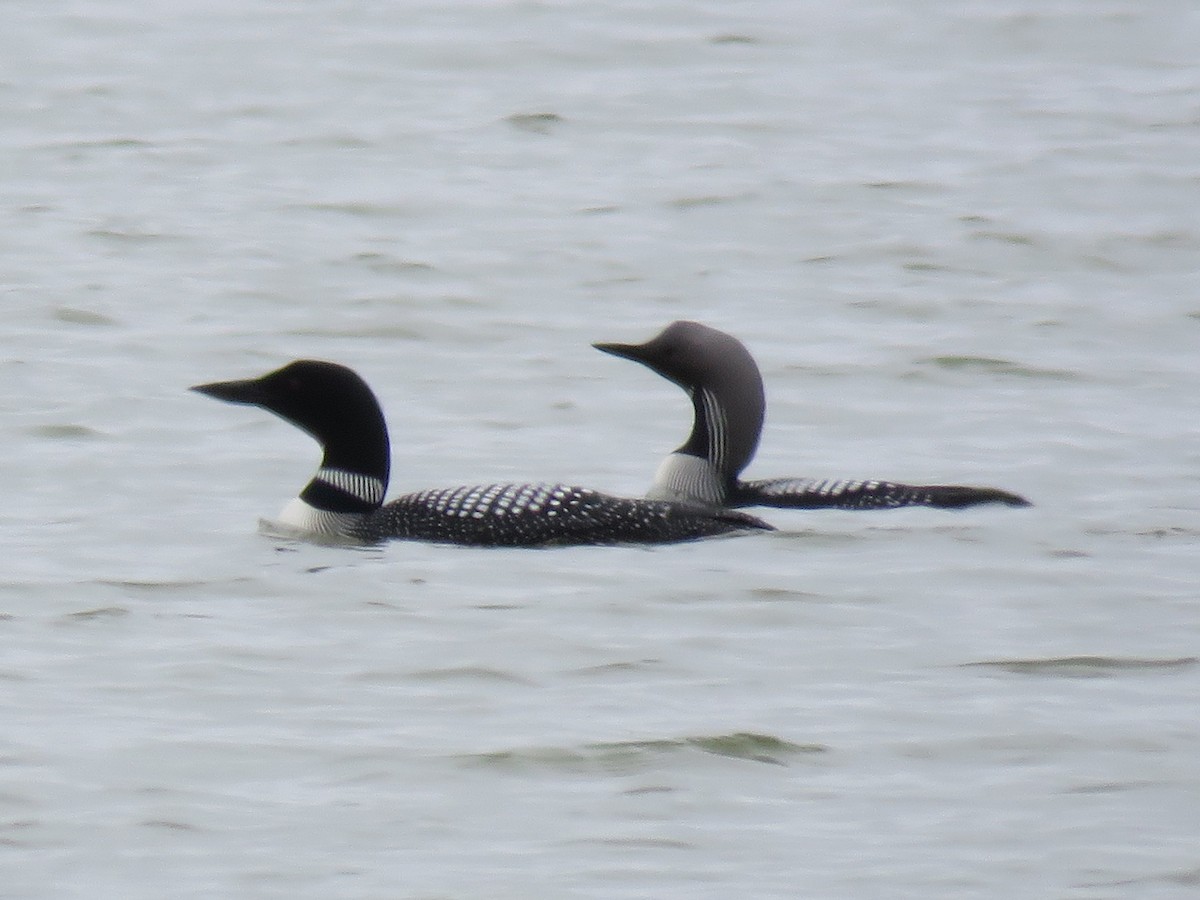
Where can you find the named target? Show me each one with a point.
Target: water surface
(960, 239)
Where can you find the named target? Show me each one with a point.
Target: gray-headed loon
(726, 388)
(344, 499)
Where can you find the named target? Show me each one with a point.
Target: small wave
(997, 367)
(784, 595)
(635, 665)
(757, 747)
(1169, 531)
(1086, 666)
(638, 843)
(632, 755)
(374, 332)
(340, 141)
(468, 673)
(705, 200)
(390, 265)
(74, 316)
(1157, 533)
(91, 615)
(116, 143)
(365, 210)
(64, 432)
(733, 38)
(11, 833)
(1107, 787)
(910, 184)
(168, 825)
(604, 210)
(538, 123)
(1005, 237)
(132, 235)
(166, 585)
(1183, 878)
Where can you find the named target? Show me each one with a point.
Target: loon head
(726, 389)
(336, 407)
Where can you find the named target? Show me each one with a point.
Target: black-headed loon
(344, 499)
(726, 388)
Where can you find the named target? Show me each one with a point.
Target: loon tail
(815, 493)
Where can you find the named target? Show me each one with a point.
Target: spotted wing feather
(533, 515)
(815, 493)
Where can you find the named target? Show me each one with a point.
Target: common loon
(344, 499)
(726, 388)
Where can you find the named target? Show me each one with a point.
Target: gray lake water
(962, 240)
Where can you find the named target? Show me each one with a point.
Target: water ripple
(99, 614)
(74, 316)
(1183, 878)
(537, 123)
(997, 366)
(632, 755)
(64, 432)
(1085, 666)
(468, 673)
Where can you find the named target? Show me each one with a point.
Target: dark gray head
(328, 401)
(723, 381)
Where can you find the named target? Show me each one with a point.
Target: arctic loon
(344, 499)
(726, 388)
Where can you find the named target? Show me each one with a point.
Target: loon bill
(725, 385)
(344, 499)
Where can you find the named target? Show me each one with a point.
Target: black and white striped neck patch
(366, 488)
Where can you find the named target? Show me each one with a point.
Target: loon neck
(353, 476)
(356, 456)
(724, 434)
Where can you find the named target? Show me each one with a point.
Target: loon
(726, 388)
(344, 499)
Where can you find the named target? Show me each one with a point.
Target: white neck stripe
(718, 429)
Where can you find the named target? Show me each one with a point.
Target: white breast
(299, 519)
(683, 478)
